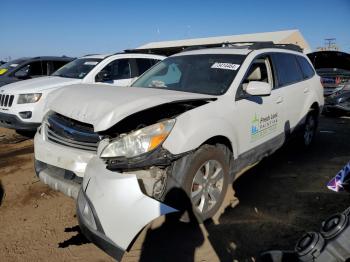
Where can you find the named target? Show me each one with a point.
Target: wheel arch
(220, 139)
(315, 106)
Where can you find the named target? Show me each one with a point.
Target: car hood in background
(103, 105)
(4, 80)
(38, 84)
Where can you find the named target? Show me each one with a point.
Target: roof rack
(255, 45)
(89, 55)
(252, 45)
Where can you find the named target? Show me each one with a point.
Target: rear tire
(309, 129)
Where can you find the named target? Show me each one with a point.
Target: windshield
(210, 74)
(78, 68)
(10, 66)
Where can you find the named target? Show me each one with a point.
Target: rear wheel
(309, 129)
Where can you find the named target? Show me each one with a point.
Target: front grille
(71, 133)
(6, 100)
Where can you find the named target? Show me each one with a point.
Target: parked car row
(27, 68)
(186, 127)
(22, 103)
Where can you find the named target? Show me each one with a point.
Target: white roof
(278, 37)
(97, 56)
(125, 55)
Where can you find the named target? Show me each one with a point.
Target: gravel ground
(280, 198)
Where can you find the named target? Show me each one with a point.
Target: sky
(77, 27)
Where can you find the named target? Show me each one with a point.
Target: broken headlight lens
(28, 98)
(139, 142)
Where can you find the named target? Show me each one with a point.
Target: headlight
(139, 142)
(29, 98)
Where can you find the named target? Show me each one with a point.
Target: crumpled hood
(39, 84)
(104, 105)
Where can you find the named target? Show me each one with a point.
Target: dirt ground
(280, 198)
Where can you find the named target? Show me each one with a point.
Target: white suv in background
(23, 110)
(185, 128)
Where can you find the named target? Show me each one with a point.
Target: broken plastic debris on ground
(341, 181)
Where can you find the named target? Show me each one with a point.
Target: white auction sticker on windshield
(225, 66)
(14, 65)
(90, 63)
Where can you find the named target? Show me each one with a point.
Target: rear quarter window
(306, 68)
(287, 68)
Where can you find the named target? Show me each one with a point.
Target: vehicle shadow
(174, 240)
(281, 198)
(76, 240)
(2, 193)
(284, 196)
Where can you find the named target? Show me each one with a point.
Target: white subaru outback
(191, 123)
(23, 107)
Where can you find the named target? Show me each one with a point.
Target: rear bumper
(14, 122)
(96, 235)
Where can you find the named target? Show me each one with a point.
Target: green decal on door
(262, 126)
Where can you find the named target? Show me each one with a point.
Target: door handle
(279, 100)
(306, 90)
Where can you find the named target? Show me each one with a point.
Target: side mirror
(22, 74)
(103, 76)
(257, 88)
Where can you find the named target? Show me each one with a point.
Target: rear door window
(57, 65)
(118, 69)
(35, 69)
(287, 68)
(143, 64)
(305, 66)
(32, 69)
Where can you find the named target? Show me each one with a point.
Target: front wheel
(204, 176)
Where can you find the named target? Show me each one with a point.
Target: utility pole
(330, 44)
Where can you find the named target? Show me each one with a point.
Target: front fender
(189, 133)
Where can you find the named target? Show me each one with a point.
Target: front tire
(204, 176)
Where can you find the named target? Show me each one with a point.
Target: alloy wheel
(309, 131)
(207, 186)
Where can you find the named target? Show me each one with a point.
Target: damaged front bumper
(60, 167)
(112, 209)
(92, 229)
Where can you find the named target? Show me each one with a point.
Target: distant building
(278, 37)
